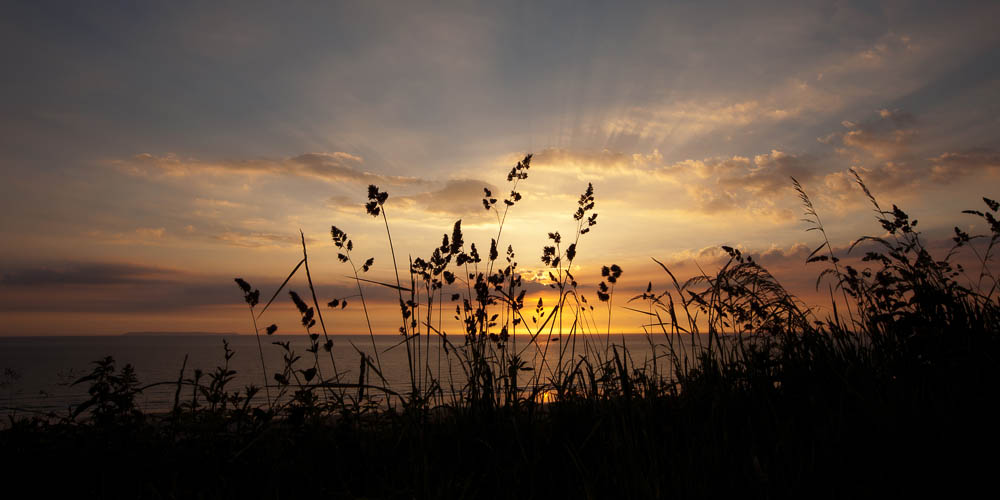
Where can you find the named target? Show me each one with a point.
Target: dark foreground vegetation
(889, 393)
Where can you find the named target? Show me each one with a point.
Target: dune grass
(888, 393)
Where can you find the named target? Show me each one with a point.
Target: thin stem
(364, 306)
(260, 349)
(402, 305)
(319, 310)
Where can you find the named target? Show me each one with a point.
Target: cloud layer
(328, 167)
(200, 138)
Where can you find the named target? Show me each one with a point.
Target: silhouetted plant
(345, 246)
(758, 384)
(252, 299)
(112, 394)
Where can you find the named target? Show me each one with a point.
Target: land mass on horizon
(174, 333)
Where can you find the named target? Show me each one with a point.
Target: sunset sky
(151, 153)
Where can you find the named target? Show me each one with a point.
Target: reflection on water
(38, 371)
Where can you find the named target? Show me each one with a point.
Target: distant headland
(176, 334)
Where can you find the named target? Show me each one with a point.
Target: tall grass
(761, 394)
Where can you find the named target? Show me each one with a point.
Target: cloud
(885, 151)
(597, 165)
(686, 119)
(767, 174)
(713, 185)
(787, 263)
(453, 198)
(257, 239)
(145, 236)
(796, 96)
(799, 92)
(891, 48)
(458, 197)
(889, 136)
(205, 231)
(881, 150)
(328, 167)
(713, 257)
(218, 203)
(150, 233)
(118, 287)
(739, 183)
(706, 115)
(842, 191)
(947, 167)
(85, 273)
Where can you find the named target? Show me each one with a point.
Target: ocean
(38, 372)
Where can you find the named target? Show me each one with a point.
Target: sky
(152, 152)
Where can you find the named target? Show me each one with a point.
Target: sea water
(38, 372)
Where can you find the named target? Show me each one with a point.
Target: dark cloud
(885, 151)
(126, 288)
(460, 197)
(889, 135)
(97, 273)
(949, 167)
(341, 167)
(329, 167)
(881, 149)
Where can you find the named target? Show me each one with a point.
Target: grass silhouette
(887, 394)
